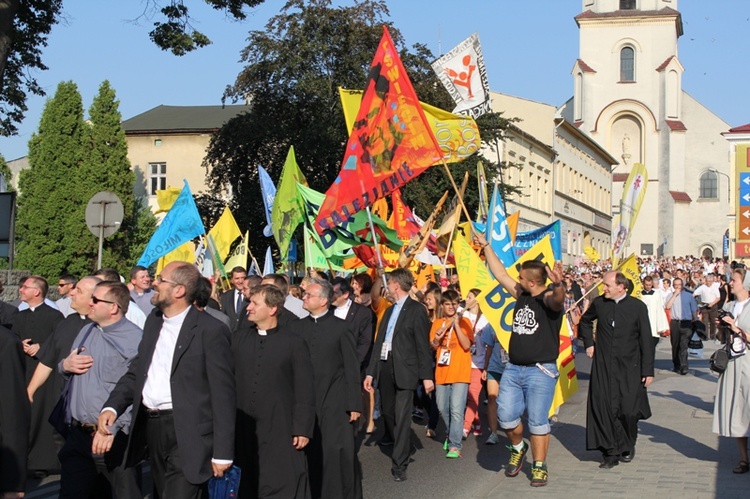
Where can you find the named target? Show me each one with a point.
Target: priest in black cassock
(622, 369)
(14, 415)
(33, 327)
(275, 402)
(331, 455)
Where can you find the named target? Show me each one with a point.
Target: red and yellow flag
(391, 142)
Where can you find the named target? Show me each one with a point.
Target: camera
(724, 313)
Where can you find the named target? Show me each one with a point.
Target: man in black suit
(360, 318)
(233, 301)
(400, 358)
(181, 386)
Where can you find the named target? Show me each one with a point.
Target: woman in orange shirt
(451, 337)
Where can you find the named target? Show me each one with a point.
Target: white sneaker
(493, 439)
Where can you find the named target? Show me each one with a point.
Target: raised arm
(496, 266)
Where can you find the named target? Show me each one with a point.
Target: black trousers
(81, 468)
(166, 462)
(679, 334)
(396, 406)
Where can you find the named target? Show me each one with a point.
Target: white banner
(463, 74)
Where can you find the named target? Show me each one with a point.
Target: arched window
(627, 64)
(709, 185)
(627, 4)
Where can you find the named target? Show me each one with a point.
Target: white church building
(628, 97)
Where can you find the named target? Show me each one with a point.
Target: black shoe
(399, 476)
(385, 441)
(609, 462)
(683, 371)
(627, 456)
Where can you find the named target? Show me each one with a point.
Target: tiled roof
(619, 177)
(182, 118)
(740, 129)
(585, 67)
(665, 63)
(676, 125)
(680, 197)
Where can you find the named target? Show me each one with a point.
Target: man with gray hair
(102, 352)
(332, 457)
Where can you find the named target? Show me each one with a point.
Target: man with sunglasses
(64, 286)
(102, 353)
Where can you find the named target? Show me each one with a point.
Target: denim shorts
(526, 388)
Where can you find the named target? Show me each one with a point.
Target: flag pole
(250, 252)
(375, 241)
(458, 195)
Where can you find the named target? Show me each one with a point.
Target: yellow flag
(166, 198)
(629, 267)
(591, 252)
(238, 256)
(183, 253)
(632, 197)
(498, 305)
(456, 134)
(224, 232)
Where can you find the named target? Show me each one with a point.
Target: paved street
(677, 454)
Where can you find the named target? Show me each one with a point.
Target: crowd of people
(280, 379)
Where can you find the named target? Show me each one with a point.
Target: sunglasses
(99, 300)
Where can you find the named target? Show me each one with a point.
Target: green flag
(316, 259)
(287, 207)
(353, 232)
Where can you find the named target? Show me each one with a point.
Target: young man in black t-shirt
(528, 382)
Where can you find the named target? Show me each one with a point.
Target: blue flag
(497, 232)
(182, 224)
(268, 264)
(268, 192)
(525, 240)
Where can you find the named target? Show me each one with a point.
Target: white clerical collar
(262, 332)
(618, 300)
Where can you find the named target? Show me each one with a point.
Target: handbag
(225, 487)
(719, 361)
(60, 417)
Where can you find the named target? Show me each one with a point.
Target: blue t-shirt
(498, 357)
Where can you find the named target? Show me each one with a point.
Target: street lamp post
(729, 187)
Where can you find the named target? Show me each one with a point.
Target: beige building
(167, 144)
(628, 97)
(561, 172)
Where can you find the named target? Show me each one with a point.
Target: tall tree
(106, 167)
(48, 188)
(70, 162)
(25, 25)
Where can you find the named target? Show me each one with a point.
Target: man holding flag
(530, 376)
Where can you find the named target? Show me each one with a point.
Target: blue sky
(529, 48)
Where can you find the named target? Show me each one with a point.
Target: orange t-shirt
(383, 305)
(459, 369)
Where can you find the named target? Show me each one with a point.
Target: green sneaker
(453, 453)
(516, 460)
(445, 445)
(538, 475)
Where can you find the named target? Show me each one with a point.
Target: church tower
(628, 96)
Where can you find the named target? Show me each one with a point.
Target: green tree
(26, 24)
(6, 173)
(70, 162)
(48, 188)
(292, 73)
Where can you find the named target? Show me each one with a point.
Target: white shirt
(157, 391)
(135, 314)
(707, 294)
(341, 311)
(294, 305)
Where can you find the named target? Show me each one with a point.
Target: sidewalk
(677, 453)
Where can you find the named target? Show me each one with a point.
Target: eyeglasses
(160, 279)
(97, 300)
(308, 295)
